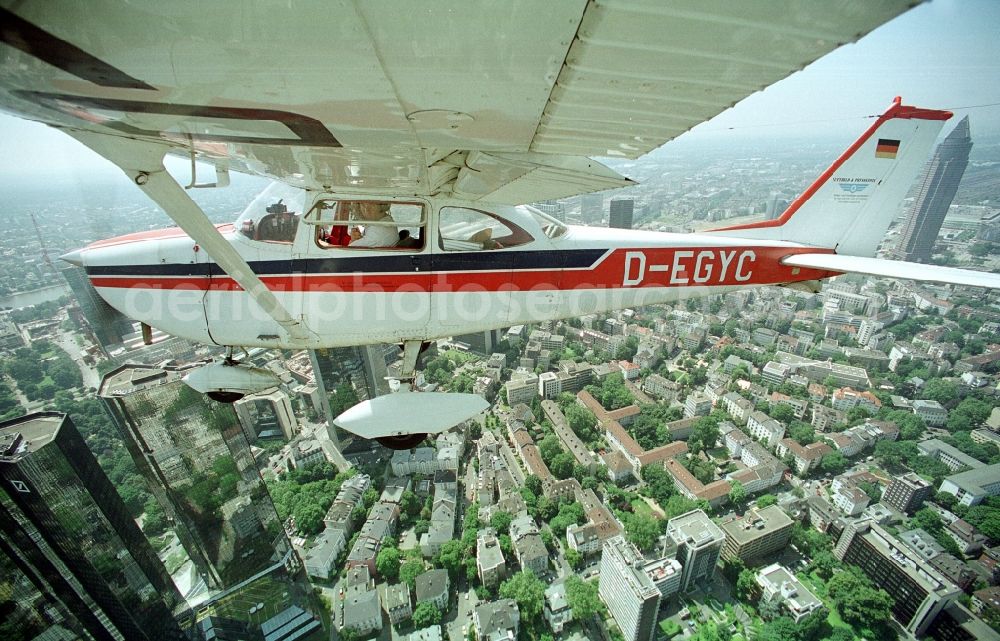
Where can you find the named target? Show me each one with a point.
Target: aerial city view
(806, 449)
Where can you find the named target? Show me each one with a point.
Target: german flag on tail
(887, 148)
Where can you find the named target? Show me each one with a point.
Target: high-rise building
(592, 208)
(360, 372)
(756, 534)
(628, 591)
(108, 325)
(907, 493)
(267, 415)
(196, 459)
(937, 187)
(482, 342)
(65, 527)
(699, 543)
(919, 592)
(620, 216)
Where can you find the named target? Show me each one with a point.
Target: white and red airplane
(422, 132)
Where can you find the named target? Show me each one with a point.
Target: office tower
(108, 325)
(482, 342)
(907, 493)
(918, 590)
(360, 373)
(66, 528)
(631, 596)
(756, 534)
(699, 543)
(936, 190)
(196, 460)
(267, 415)
(620, 216)
(592, 208)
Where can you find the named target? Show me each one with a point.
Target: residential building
(779, 585)
(846, 399)
(907, 493)
(362, 612)
(557, 611)
(738, 407)
(762, 426)
(850, 499)
(699, 543)
(549, 385)
(660, 387)
(954, 458)
(432, 586)
(498, 620)
(697, 404)
(319, 559)
(824, 418)
(756, 534)
(666, 574)
(972, 486)
(528, 545)
(932, 412)
(489, 557)
(396, 602)
(966, 536)
(68, 531)
(775, 373)
(581, 453)
(805, 457)
(919, 592)
(522, 388)
(632, 598)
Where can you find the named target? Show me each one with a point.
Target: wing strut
(143, 163)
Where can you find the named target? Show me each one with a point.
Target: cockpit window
(368, 224)
(273, 216)
(552, 227)
(464, 229)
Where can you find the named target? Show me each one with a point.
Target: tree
(451, 556)
(766, 500)
(643, 531)
(527, 591)
(873, 491)
(824, 564)
(562, 465)
(549, 448)
(858, 602)
(833, 463)
(387, 563)
(574, 558)
(746, 585)
(500, 521)
(534, 484)
(704, 434)
(737, 493)
(783, 413)
(779, 629)
(986, 519)
(425, 615)
(940, 390)
(582, 598)
(409, 571)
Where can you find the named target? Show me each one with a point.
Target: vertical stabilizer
(850, 206)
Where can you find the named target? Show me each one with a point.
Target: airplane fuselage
(349, 296)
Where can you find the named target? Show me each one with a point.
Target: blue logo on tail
(853, 188)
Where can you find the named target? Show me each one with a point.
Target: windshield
(273, 216)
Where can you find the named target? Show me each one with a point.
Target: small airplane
(405, 144)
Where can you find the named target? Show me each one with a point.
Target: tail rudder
(850, 206)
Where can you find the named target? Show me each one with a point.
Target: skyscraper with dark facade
(937, 188)
(65, 527)
(108, 325)
(592, 208)
(197, 462)
(620, 216)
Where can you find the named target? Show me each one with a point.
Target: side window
(368, 224)
(464, 229)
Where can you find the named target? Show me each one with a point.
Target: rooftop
(35, 430)
(694, 528)
(756, 523)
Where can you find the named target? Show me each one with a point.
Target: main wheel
(224, 397)
(402, 442)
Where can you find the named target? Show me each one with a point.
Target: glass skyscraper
(196, 459)
(64, 526)
(937, 188)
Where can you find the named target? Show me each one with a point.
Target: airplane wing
(498, 101)
(894, 269)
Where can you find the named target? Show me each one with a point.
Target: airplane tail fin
(850, 206)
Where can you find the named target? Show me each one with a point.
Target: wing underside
(387, 97)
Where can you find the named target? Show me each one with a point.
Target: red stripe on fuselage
(661, 267)
(154, 234)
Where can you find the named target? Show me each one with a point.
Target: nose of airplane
(74, 257)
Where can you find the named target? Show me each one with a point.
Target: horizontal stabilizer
(410, 413)
(894, 269)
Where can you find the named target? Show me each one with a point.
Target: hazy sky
(942, 54)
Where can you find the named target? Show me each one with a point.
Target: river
(34, 297)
